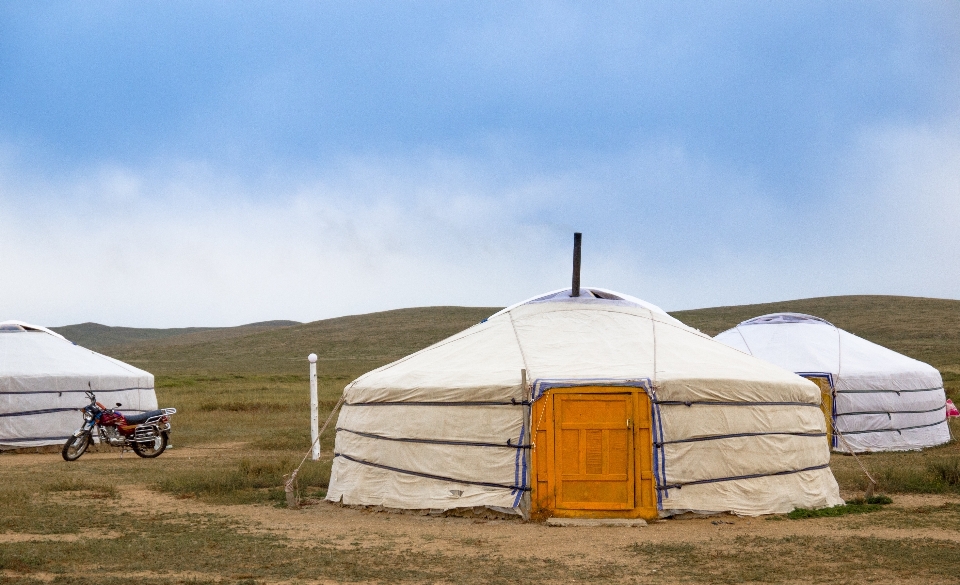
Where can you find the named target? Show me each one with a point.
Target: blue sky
(215, 163)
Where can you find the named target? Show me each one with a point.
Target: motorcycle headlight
(87, 415)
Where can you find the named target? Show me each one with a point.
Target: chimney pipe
(575, 292)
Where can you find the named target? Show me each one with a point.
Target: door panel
(594, 451)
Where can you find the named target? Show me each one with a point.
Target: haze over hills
(96, 336)
(926, 329)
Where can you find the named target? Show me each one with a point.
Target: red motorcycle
(147, 434)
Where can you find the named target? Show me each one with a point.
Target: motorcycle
(147, 434)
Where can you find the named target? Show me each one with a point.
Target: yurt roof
(811, 345)
(35, 359)
(604, 338)
(13, 325)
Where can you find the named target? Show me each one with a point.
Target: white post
(314, 408)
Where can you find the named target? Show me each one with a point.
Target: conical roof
(808, 344)
(612, 338)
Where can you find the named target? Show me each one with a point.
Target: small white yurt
(878, 399)
(43, 378)
(597, 405)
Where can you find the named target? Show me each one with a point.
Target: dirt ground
(353, 529)
(323, 520)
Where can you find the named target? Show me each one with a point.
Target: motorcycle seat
(135, 419)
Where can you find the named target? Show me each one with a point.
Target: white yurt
(43, 378)
(597, 405)
(878, 399)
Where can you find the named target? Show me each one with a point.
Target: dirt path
(350, 528)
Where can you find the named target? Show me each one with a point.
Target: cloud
(188, 244)
(897, 209)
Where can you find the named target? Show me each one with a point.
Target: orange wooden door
(594, 460)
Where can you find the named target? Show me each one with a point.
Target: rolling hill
(926, 329)
(355, 343)
(96, 336)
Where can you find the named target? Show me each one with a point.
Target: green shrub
(75, 484)
(947, 471)
(856, 506)
(251, 481)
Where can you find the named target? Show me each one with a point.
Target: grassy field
(211, 509)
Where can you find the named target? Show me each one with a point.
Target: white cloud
(186, 245)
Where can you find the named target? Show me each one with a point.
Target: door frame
(543, 484)
(817, 378)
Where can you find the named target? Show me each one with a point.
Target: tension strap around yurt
(899, 430)
(738, 477)
(432, 476)
(715, 403)
(737, 435)
(507, 444)
(511, 402)
(881, 391)
(890, 413)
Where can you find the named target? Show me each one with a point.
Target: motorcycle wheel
(151, 450)
(75, 447)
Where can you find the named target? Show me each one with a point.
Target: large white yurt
(878, 399)
(43, 378)
(597, 405)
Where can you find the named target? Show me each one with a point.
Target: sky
(168, 164)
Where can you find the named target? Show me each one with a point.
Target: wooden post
(290, 487)
(314, 409)
(575, 292)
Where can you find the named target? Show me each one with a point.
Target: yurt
(43, 378)
(878, 399)
(582, 404)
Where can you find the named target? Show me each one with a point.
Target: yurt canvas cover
(43, 378)
(450, 426)
(883, 400)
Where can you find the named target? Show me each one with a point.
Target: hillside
(96, 336)
(926, 329)
(353, 344)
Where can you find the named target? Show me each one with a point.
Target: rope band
(942, 422)
(75, 391)
(506, 445)
(431, 476)
(752, 476)
(887, 391)
(512, 402)
(736, 435)
(889, 412)
(710, 403)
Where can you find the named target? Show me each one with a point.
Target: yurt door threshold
(593, 454)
